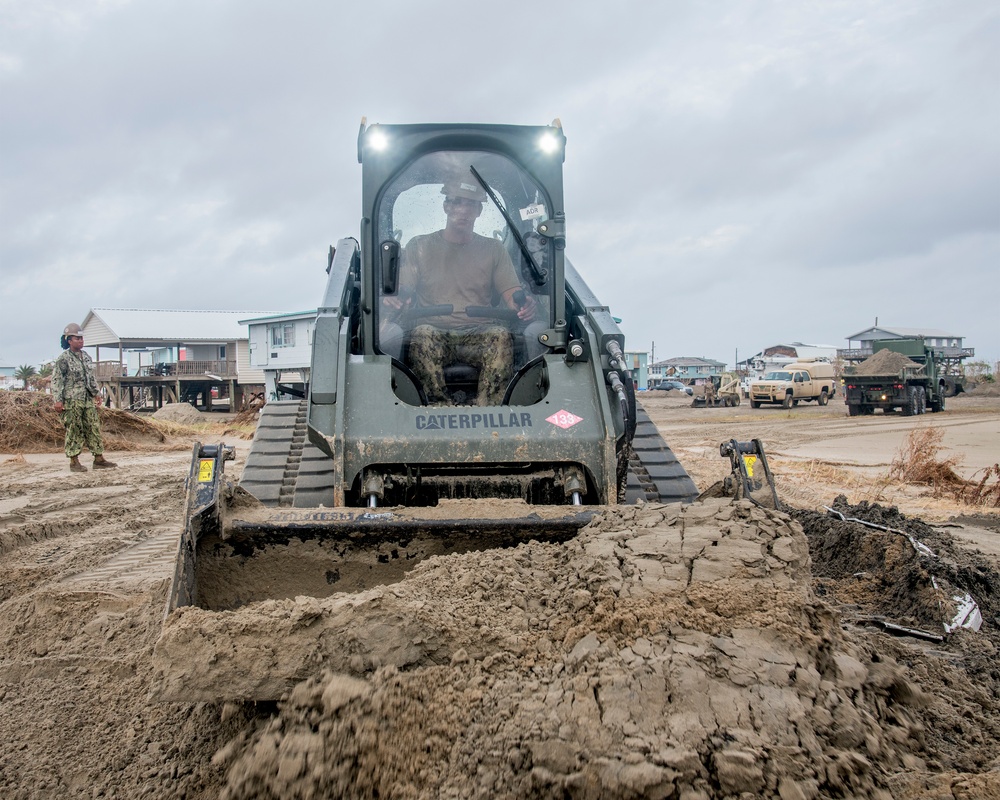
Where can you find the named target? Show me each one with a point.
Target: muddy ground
(716, 650)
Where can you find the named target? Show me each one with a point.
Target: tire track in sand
(143, 564)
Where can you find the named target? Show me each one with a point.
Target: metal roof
(689, 361)
(161, 325)
(288, 316)
(905, 333)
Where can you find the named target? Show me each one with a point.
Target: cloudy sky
(738, 174)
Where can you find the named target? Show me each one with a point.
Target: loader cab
(422, 280)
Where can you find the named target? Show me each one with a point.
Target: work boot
(100, 462)
(75, 465)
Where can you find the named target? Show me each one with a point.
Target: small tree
(41, 380)
(24, 373)
(978, 371)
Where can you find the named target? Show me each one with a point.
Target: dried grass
(814, 471)
(30, 424)
(918, 462)
(244, 424)
(984, 493)
(245, 432)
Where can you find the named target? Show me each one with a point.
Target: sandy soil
(819, 452)
(716, 650)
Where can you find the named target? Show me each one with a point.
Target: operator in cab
(456, 266)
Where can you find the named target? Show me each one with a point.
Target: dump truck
(717, 392)
(795, 383)
(901, 375)
(371, 472)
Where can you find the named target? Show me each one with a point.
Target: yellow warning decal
(748, 462)
(206, 470)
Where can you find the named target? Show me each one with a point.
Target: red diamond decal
(564, 419)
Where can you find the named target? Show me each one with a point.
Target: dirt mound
(184, 413)
(885, 362)
(985, 390)
(665, 652)
(914, 576)
(908, 574)
(30, 424)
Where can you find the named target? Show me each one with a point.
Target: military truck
(901, 375)
(792, 384)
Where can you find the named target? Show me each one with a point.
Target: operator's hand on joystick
(524, 304)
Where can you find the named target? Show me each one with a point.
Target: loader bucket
(235, 551)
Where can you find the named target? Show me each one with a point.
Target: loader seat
(462, 381)
(461, 375)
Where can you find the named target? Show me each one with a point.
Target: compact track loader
(354, 484)
(720, 391)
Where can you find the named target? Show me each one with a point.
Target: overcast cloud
(738, 174)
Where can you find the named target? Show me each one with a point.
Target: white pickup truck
(813, 380)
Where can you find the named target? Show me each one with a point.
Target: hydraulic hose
(626, 397)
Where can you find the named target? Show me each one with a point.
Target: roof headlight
(549, 143)
(377, 140)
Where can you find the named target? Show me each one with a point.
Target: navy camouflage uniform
(489, 349)
(74, 384)
(437, 271)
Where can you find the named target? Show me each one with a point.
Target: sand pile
(665, 652)
(985, 390)
(183, 413)
(885, 362)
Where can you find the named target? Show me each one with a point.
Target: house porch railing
(185, 369)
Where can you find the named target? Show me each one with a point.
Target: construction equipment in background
(720, 391)
(751, 476)
(358, 482)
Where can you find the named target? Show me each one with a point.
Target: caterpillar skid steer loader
(445, 411)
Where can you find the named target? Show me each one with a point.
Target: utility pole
(652, 353)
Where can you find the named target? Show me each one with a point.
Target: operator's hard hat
(72, 330)
(466, 188)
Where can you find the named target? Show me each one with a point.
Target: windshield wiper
(537, 272)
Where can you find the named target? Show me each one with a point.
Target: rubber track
(655, 475)
(283, 469)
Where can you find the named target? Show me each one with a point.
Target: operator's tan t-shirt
(439, 272)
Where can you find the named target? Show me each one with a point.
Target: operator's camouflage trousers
(489, 349)
(82, 427)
